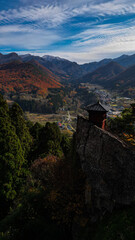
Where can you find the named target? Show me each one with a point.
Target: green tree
(35, 131)
(123, 123)
(22, 131)
(66, 144)
(11, 160)
(50, 140)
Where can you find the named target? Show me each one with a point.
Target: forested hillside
(103, 74)
(43, 187)
(18, 77)
(40, 191)
(123, 82)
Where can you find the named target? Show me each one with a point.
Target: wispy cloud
(51, 15)
(102, 33)
(79, 31)
(26, 37)
(57, 14)
(104, 40)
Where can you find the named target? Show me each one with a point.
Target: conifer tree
(11, 160)
(50, 139)
(22, 131)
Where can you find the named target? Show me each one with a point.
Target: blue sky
(79, 30)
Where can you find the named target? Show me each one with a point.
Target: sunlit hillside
(18, 77)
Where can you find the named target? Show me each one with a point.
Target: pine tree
(22, 131)
(11, 160)
(50, 140)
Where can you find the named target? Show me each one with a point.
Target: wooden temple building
(97, 114)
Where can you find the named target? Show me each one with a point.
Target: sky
(78, 30)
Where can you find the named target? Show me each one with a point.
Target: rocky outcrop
(109, 166)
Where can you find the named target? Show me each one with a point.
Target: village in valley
(115, 102)
(75, 102)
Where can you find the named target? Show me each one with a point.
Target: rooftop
(97, 107)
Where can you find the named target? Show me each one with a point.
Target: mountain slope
(9, 58)
(125, 60)
(63, 68)
(123, 82)
(26, 77)
(92, 66)
(103, 74)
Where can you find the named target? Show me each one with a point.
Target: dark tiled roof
(97, 107)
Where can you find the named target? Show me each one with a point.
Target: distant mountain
(52, 58)
(25, 56)
(103, 74)
(19, 77)
(67, 70)
(71, 70)
(90, 67)
(63, 68)
(8, 58)
(123, 82)
(125, 60)
(45, 63)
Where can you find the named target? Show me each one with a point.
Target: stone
(109, 166)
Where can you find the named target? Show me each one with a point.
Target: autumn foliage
(18, 77)
(63, 186)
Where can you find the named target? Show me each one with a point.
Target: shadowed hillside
(9, 58)
(124, 82)
(103, 74)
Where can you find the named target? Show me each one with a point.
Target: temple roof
(98, 107)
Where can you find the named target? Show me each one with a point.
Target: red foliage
(26, 78)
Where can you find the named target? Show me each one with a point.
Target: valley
(55, 180)
(67, 120)
(52, 89)
(74, 104)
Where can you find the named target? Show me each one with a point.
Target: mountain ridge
(102, 74)
(65, 71)
(124, 81)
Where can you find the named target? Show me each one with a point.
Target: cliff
(109, 166)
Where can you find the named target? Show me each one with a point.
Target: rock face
(109, 166)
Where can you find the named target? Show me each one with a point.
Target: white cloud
(17, 28)
(108, 41)
(51, 15)
(28, 39)
(102, 33)
(55, 15)
(44, 26)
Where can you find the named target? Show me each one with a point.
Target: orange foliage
(26, 78)
(129, 138)
(73, 93)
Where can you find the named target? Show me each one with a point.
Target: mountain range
(63, 68)
(67, 69)
(49, 71)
